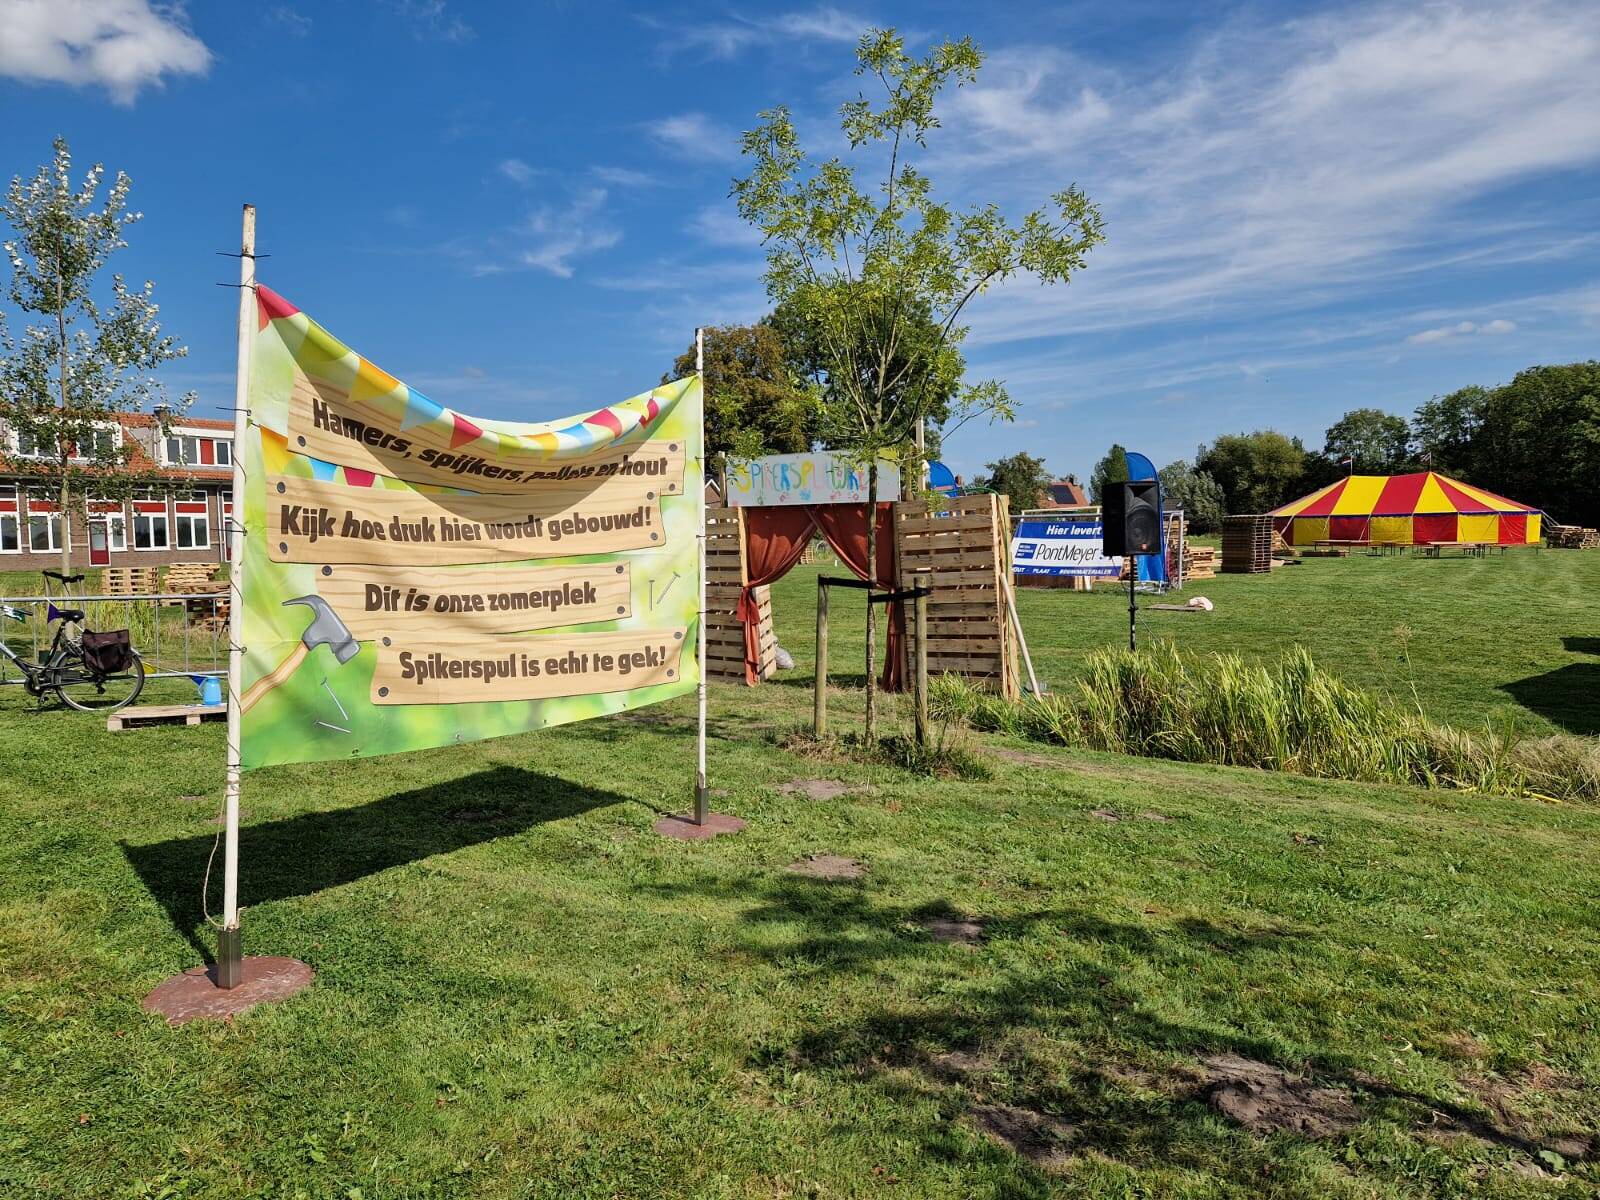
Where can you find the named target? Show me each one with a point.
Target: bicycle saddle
(56, 575)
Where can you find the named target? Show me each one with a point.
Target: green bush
(1287, 716)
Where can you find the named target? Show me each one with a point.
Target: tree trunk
(66, 527)
(872, 620)
(63, 522)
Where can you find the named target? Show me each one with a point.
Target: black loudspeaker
(1131, 516)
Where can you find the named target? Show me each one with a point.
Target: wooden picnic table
(1468, 549)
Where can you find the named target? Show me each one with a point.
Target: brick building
(181, 518)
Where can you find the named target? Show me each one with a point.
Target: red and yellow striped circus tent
(1407, 509)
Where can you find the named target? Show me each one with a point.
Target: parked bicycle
(89, 671)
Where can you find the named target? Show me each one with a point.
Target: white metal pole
(700, 795)
(228, 958)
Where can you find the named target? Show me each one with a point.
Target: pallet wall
(726, 574)
(1247, 545)
(961, 548)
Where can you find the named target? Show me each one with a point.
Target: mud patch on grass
(1038, 1137)
(958, 931)
(1266, 1099)
(828, 866)
(960, 1064)
(1109, 815)
(818, 789)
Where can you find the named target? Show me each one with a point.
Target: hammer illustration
(326, 629)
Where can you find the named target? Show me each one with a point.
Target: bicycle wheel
(86, 692)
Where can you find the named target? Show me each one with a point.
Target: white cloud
(517, 171)
(291, 21)
(721, 225)
(695, 135)
(1444, 333)
(731, 36)
(623, 177)
(432, 21)
(120, 45)
(1294, 165)
(553, 236)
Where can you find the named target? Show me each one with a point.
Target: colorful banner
(414, 577)
(1070, 546)
(818, 477)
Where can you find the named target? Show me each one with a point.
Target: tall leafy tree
(864, 263)
(1256, 471)
(1540, 441)
(92, 351)
(1196, 493)
(1021, 477)
(1113, 468)
(1445, 431)
(1379, 443)
(756, 401)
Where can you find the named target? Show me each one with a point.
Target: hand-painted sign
(415, 577)
(815, 478)
(1070, 546)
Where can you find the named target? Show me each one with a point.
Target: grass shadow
(1569, 696)
(303, 855)
(980, 1038)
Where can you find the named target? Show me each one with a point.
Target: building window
(116, 531)
(100, 446)
(150, 531)
(10, 522)
(44, 533)
(192, 532)
(224, 453)
(30, 446)
(183, 451)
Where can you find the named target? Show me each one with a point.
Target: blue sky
(522, 208)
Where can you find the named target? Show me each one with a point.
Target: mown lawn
(522, 992)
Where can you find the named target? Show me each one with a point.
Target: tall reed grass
(1286, 716)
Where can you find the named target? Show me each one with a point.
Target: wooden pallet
(164, 714)
(726, 575)
(190, 577)
(960, 547)
(128, 581)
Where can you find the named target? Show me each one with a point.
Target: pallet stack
(187, 578)
(1247, 544)
(1572, 537)
(1199, 562)
(128, 581)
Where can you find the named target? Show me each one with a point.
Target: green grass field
(522, 992)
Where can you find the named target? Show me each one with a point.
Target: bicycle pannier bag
(108, 652)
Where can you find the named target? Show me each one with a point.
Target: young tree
(1196, 493)
(66, 379)
(1113, 468)
(1256, 471)
(1019, 476)
(756, 402)
(925, 373)
(863, 264)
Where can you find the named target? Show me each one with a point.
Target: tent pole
(230, 951)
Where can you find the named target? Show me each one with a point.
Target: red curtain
(774, 540)
(845, 527)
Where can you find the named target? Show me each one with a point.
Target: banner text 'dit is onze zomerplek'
(416, 577)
